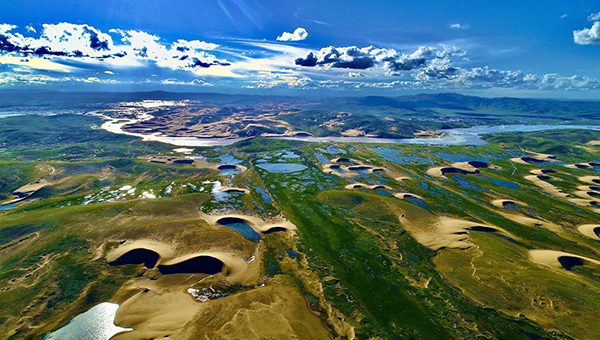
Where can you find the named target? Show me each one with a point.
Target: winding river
(461, 136)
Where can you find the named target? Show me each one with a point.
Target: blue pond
(95, 324)
(8, 206)
(282, 167)
(264, 194)
(243, 229)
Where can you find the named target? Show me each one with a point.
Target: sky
(306, 48)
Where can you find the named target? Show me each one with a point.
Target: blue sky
(500, 48)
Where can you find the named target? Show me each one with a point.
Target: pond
(95, 324)
(243, 229)
(282, 167)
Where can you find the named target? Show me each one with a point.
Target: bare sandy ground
(403, 178)
(356, 133)
(235, 267)
(351, 167)
(533, 157)
(366, 186)
(405, 195)
(445, 232)
(27, 190)
(235, 189)
(540, 181)
(585, 165)
(193, 162)
(589, 230)
(255, 223)
(531, 222)
(551, 258)
(164, 250)
(501, 203)
(471, 167)
(593, 142)
(590, 179)
(275, 311)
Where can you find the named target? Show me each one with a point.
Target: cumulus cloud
(84, 42)
(458, 26)
(588, 36)
(594, 17)
(392, 61)
(299, 34)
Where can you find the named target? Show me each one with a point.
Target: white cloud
(564, 16)
(459, 26)
(370, 57)
(87, 44)
(4, 28)
(594, 17)
(588, 36)
(299, 34)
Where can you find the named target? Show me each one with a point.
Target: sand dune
(446, 232)
(581, 165)
(405, 195)
(470, 167)
(234, 267)
(402, 178)
(590, 230)
(194, 162)
(255, 223)
(339, 168)
(235, 189)
(164, 250)
(590, 179)
(501, 203)
(531, 222)
(542, 171)
(540, 181)
(366, 186)
(561, 260)
(534, 157)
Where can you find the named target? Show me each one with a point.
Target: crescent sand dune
(590, 179)
(255, 223)
(590, 230)
(193, 162)
(502, 203)
(366, 186)
(542, 171)
(405, 195)
(163, 250)
(470, 167)
(439, 232)
(540, 181)
(534, 157)
(561, 260)
(585, 165)
(531, 222)
(235, 189)
(234, 267)
(402, 178)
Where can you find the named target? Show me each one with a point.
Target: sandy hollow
(561, 260)
(502, 203)
(590, 230)
(470, 167)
